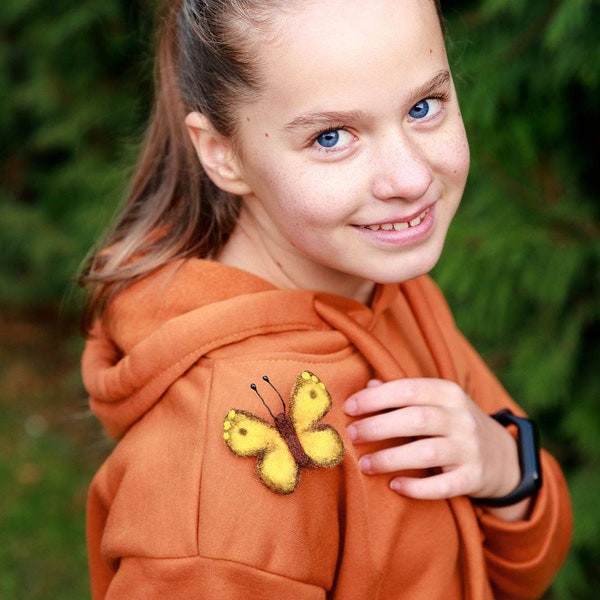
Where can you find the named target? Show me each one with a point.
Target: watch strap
(529, 460)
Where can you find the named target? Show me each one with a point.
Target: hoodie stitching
(238, 336)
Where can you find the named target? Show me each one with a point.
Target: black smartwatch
(529, 460)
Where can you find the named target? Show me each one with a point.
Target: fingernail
(352, 433)
(374, 383)
(365, 464)
(350, 406)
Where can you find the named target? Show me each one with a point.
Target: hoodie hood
(159, 327)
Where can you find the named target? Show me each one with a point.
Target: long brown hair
(205, 62)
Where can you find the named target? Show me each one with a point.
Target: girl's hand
(469, 452)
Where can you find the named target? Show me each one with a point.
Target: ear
(216, 155)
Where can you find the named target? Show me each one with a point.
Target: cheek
(307, 199)
(458, 155)
(462, 159)
(449, 157)
(297, 198)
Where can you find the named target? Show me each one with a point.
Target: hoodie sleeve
(169, 518)
(524, 556)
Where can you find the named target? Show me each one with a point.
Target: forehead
(333, 47)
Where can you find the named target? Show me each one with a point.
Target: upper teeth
(398, 226)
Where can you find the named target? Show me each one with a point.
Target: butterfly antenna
(265, 378)
(255, 390)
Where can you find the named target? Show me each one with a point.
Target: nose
(401, 169)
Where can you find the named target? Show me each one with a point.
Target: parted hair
(206, 54)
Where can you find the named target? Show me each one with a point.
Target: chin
(408, 269)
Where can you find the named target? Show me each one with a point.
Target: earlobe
(216, 155)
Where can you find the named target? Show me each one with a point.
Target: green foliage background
(521, 267)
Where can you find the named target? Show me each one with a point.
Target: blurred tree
(76, 79)
(522, 262)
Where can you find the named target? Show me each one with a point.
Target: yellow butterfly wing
(310, 402)
(248, 435)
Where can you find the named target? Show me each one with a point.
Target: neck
(254, 251)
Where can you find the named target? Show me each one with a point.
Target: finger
(426, 453)
(435, 487)
(374, 383)
(412, 421)
(404, 392)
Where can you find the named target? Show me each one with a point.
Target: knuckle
(468, 425)
(431, 454)
(458, 390)
(409, 387)
(364, 430)
(385, 461)
(471, 426)
(445, 488)
(420, 419)
(468, 480)
(389, 460)
(461, 483)
(373, 429)
(459, 398)
(463, 478)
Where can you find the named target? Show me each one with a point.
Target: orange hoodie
(192, 502)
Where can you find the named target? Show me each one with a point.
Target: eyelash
(442, 97)
(315, 137)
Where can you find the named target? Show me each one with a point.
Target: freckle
(248, 119)
(266, 134)
(430, 50)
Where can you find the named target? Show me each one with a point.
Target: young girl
(297, 414)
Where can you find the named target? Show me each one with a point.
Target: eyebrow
(322, 119)
(317, 120)
(439, 81)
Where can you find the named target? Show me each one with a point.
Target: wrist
(529, 461)
(521, 511)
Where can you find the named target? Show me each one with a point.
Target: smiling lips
(401, 226)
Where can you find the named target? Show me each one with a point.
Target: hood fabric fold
(160, 327)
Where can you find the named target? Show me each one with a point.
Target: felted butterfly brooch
(296, 438)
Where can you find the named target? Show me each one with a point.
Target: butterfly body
(296, 439)
(285, 427)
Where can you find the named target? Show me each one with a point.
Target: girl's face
(355, 156)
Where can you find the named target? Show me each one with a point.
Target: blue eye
(328, 139)
(419, 110)
(333, 141)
